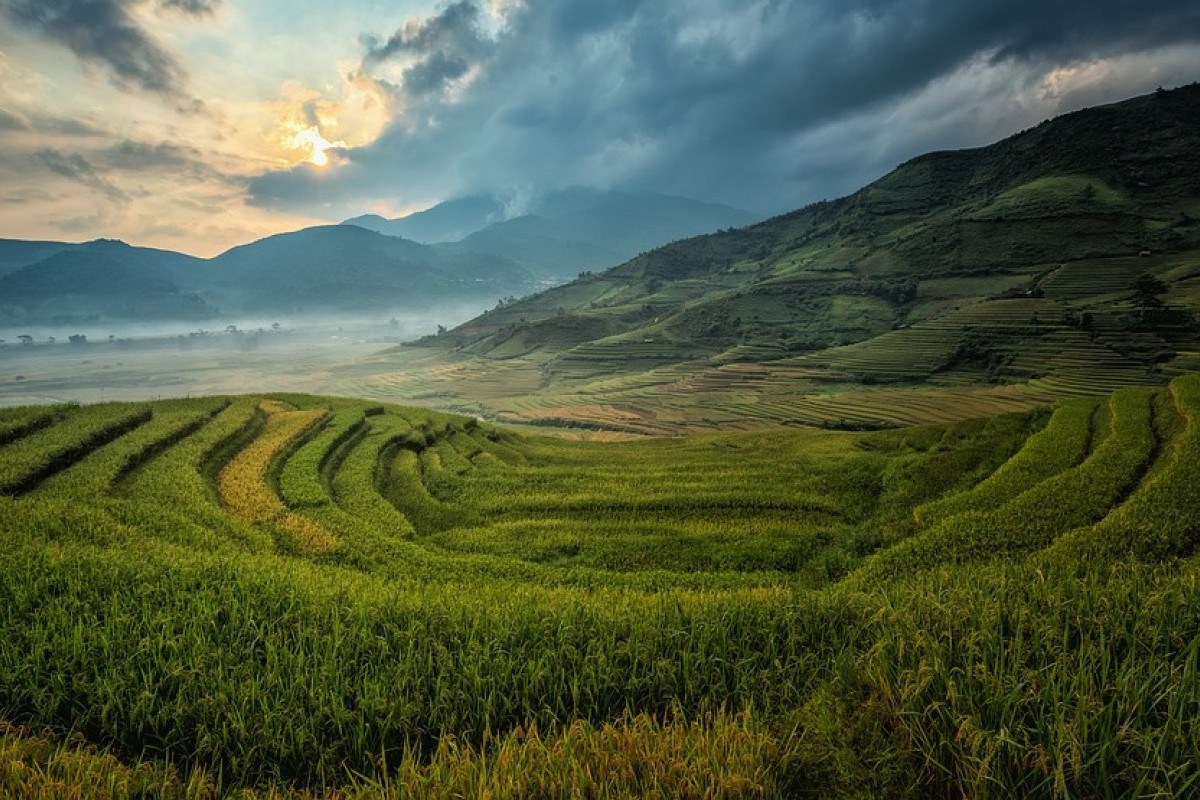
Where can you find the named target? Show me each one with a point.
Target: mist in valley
(101, 361)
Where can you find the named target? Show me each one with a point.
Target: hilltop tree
(1146, 291)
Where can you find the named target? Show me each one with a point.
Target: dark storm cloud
(104, 32)
(77, 168)
(710, 97)
(442, 48)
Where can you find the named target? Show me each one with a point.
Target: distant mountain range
(334, 269)
(468, 254)
(562, 233)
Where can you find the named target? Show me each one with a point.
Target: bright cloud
(313, 145)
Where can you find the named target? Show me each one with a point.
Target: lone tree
(1146, 291)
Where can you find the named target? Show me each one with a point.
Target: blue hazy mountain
(562, 233)
(335, 270)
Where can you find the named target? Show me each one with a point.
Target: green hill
(298, 594)
(107, 279)
(1003, 274)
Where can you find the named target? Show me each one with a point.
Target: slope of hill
(349, 269)
(80, 283)
(104, 279)
(15, 254)
(302, 595)
(1064, 259)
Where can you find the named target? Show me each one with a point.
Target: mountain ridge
(1009, 271)
(329, 268)
(344, 269)
(564, 232)
(870, 213)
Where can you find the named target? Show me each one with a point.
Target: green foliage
(101, 469)
(304, 478)
(1161, 520)
(20, 422)
(1032, 519)
(1058, 447)
(30, 460)
(1147, 290)
(1017, 681)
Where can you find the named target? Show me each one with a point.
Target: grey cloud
(104, 32)
(441, 48)
(66, 126)
(715, 98)
(196, 7)
(434, 72)
(131, 154)
(49, 125)
(456, 28)
(77, 168)
(12, 122)
(181, 160)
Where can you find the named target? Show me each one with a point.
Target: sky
(197, 125)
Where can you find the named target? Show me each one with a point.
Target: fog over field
(398, 327)
(143, 361)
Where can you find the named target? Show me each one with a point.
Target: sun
(310, 141)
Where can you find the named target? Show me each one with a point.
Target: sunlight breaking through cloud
(313, 144)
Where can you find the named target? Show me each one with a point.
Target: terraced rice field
(981, 357)
(1093, 279)
(288, 594)
(920, 348)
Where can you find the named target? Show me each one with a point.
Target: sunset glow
(313, 144)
